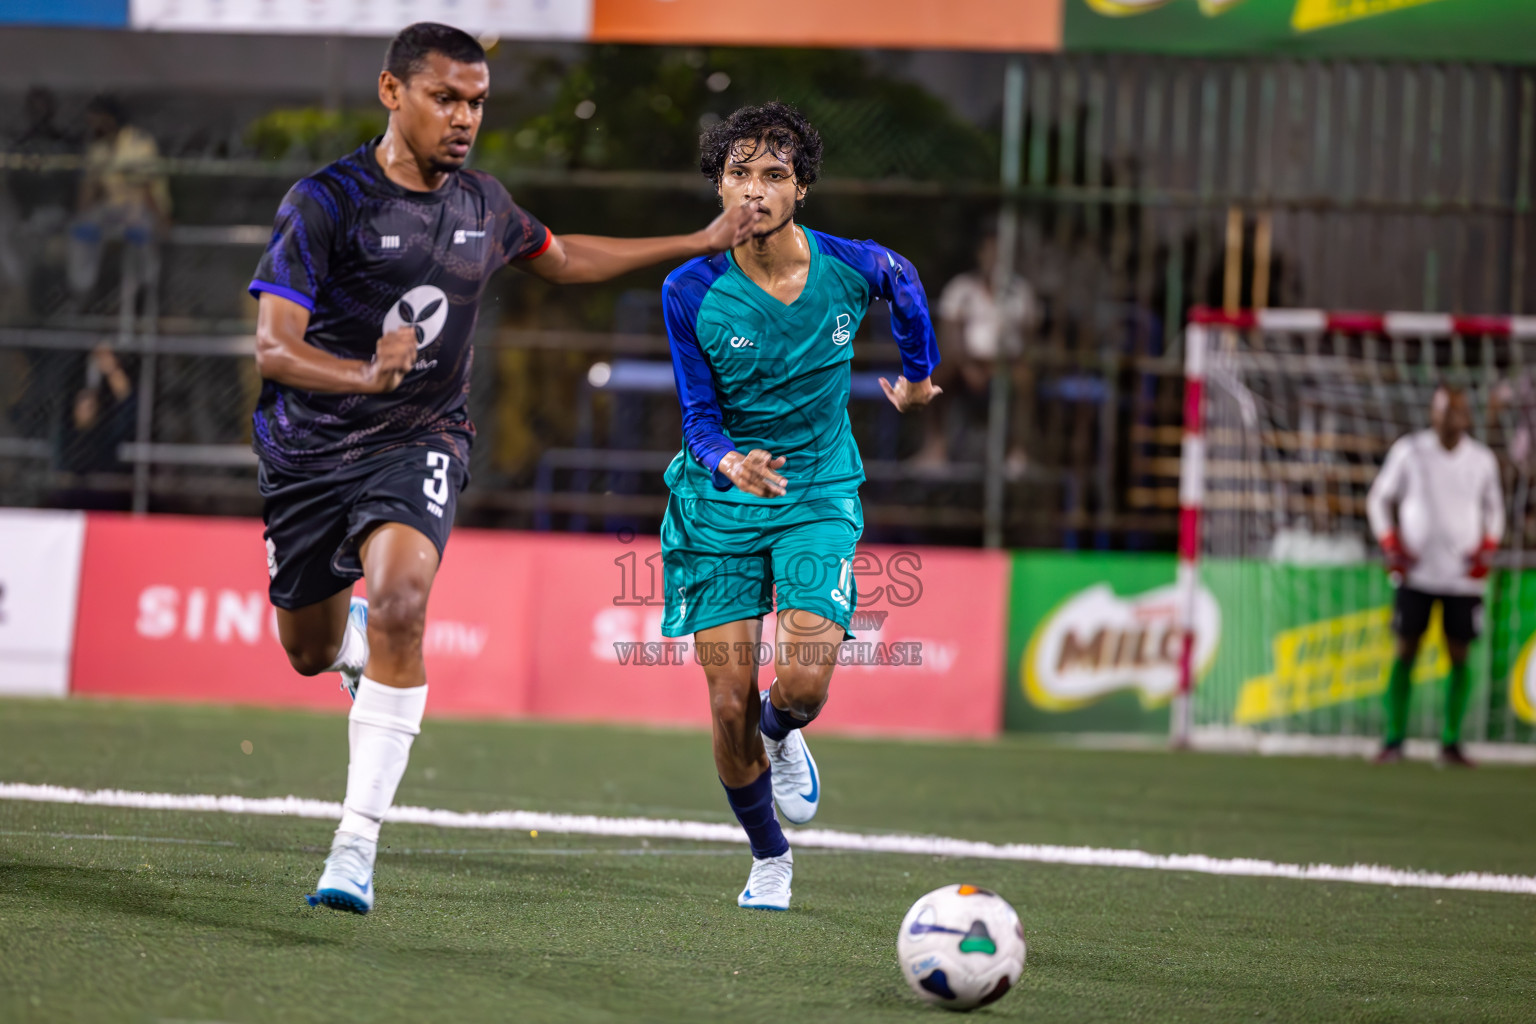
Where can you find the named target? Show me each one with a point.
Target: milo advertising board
(1094, 645)
(1491, 30)
(1094, 642)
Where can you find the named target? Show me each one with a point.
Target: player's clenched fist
(908, 394)
(754, 472)
(393, 359)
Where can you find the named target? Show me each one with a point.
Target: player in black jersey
(368, 294)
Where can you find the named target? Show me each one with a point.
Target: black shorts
(1462, 614)
(317, 521)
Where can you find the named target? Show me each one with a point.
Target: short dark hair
(408, 51)
(782, 128)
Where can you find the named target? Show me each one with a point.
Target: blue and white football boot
(796, 783)
(357, 618)
(768, 884)
(347, 881)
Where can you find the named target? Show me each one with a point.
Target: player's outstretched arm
(283, 356)
(584, 259)
(892, 277)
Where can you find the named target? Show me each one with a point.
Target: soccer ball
(961, 947)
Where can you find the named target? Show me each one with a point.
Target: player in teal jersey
(765, 491)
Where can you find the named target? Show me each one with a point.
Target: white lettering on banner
(157, 612)
(454, 639)
(922, 654)
(197, 609)
(238, 614)
(40, 554)
(243, 616)
(625, 636)
(1096, 643)
(622, 626)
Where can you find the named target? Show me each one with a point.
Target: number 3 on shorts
(436, 485)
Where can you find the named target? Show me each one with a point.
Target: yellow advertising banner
(1494, 30)
(1316, 14)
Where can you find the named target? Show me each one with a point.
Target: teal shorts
(723, 560)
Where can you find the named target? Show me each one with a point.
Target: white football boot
(796, 783)
(768, 884)
(347, 881)
(352, 674)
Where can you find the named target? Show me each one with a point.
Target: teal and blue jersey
(753, 372)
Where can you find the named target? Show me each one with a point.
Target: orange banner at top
(902, 24)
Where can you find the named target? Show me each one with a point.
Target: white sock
(384, 721)
(354, 648)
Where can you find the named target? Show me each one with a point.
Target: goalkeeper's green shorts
(723, 560)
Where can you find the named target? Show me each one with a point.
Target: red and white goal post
(1288, 415)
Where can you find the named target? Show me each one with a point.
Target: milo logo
(1096, 643)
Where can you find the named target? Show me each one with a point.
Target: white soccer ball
(961, 947)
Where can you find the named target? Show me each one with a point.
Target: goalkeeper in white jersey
(1437, 510)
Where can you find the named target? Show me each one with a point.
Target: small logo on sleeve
(739, 342)
(389, 241)
(461, 236)
(840, 334)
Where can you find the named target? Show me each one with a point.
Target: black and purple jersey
(365, 256)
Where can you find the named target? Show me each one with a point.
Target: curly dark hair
(782, 128)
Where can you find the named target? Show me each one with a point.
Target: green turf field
(112, 914)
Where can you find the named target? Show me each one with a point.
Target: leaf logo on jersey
(840, 336)
(425, 308)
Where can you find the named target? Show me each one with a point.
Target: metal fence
(1144, 185)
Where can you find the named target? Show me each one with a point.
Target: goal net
(1289, 417)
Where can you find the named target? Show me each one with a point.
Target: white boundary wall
(40, 554)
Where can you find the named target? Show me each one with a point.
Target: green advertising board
(1080, 657)
(1094, 644)
(1481, 30)
(1308, 649)
(1512, 657)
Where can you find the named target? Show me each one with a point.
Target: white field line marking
(699, 831)
(492, 851)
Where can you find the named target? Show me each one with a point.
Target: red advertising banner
(917, 24)
(538, 625)
(937, 611)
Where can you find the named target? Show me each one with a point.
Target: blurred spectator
(35, 204)
(35, 207)
(121, 197)
(41, 136)
(975, 328)
(103, 416)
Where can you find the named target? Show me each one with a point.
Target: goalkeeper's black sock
(1457, 692)
(1399, 685)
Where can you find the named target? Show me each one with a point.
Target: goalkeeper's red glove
(1399, 561)
(1481, 560)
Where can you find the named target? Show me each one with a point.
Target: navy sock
(753, 804)
(776, 724)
